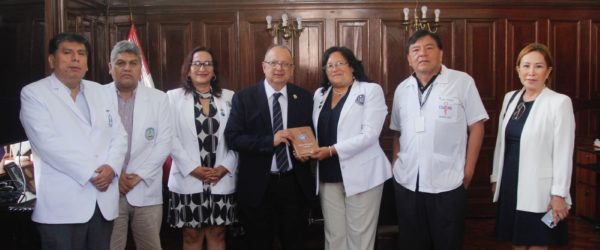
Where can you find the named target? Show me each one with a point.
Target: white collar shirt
(283, 102)
(80, 100)
(437, 155)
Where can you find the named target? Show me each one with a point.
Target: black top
(329, 168)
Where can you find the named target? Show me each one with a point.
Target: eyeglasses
(283, 65)
(200, 64)
(335, 65)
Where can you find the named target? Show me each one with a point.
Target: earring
(214, 78)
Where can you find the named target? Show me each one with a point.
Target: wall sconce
(421, 24)
(286, 29)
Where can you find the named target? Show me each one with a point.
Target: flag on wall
(146, 76)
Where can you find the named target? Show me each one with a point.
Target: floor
(478, 235)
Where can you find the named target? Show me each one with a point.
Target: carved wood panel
(173, 42)
(395, 67)
(220, 36)
(594, 86)
(565, 39)
(520, 33)
(308, 50)
(354, 34)
(481, 61)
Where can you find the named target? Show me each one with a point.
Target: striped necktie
(280, 151)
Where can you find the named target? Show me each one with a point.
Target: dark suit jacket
(249, 131)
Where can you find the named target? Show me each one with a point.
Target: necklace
(340, 93)
(206, 95)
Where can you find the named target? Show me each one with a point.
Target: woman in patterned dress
(202, 177)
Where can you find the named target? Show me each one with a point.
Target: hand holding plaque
(303, 140)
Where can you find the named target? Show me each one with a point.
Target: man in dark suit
(273, 188)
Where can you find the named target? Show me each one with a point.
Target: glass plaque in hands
(303, 140)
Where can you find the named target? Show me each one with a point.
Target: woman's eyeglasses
(200, 64)
(335, 65)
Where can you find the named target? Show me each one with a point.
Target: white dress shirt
(283, 102)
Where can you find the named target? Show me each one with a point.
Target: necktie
(280, 152)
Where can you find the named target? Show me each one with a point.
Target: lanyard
(422, 102)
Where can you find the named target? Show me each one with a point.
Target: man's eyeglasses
(335, 65)
(283, 65)
(200, 64)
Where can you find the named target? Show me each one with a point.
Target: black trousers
(93, 235)
(283, 212)
(431, 221)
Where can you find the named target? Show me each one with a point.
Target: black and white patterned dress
(203, 209)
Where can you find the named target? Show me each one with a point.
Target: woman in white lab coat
(202, 177)
(348, 115)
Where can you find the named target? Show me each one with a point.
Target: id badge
(420, 124)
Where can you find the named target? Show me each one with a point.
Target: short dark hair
(68, 37)
(353, 62)
(421, 33)
(185, 71)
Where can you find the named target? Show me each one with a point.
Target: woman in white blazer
(533, 156)
(202, 177)
(348, 115)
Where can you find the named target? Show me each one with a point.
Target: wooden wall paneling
(308, 51)
(565, 40)
(354, 34)
(174, 40)
(256, 41)
(480, 53)
(102, 51)
(481, 61)
(395, 66)
(119, 30)
(221, 36)
(520, 33)
(594, 86)
(454, 44)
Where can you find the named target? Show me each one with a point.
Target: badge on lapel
(109, 118)
(360, 99)
(295, 96)
(150, 134)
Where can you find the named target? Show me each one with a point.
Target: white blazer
(150, 143)
(68, 149)
(186, 152)
(363, 163)
(546, 150)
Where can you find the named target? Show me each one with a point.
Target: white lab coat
(150, 144)
(186, 151)
(68, 149)
(363, 163)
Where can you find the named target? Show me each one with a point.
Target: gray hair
(280, 47)
(124, 47)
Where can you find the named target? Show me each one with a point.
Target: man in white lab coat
(145, 115)
(78, 145)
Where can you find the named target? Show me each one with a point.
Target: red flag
(146, 76)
